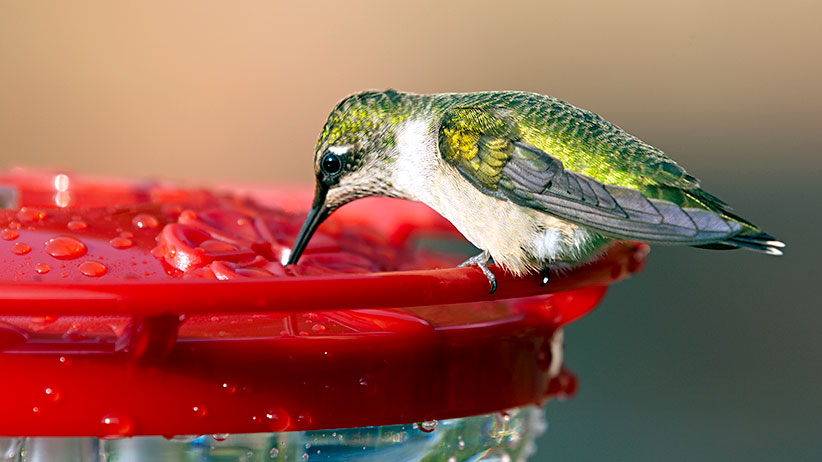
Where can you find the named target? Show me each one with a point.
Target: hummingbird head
(353, 157)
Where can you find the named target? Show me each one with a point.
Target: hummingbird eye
(331, 164)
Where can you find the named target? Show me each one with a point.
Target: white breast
(519, 238)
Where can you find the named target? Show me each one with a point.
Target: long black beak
(316, 215)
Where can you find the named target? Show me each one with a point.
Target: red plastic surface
(173, 315)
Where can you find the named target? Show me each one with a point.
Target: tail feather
(760, 242)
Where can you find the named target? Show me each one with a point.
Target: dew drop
(305, 457)
(200, 411)
(76, 225)
(145, 221)
(121, 243)
(9, 234)
(220, 436)
(65, 248)
(42, 268)
(452, 459)
(461, 444)
(318, 328)
(92, 269)
(20, 248)
(274, 452)
(428, 426)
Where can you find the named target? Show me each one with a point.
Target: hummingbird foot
(481, 261)
(546, 276)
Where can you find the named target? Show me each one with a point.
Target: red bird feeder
(139, 309)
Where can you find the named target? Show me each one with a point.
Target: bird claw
(481, 261)
(546, 276)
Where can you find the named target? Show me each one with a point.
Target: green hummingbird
(531, 180)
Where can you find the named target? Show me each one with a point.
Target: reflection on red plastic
(197, 328)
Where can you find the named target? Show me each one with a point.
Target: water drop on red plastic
(20, 248)
(76, 225)
(116, 425)
(367, 385)
(42, 268)
(121, 243)
(318, 328)
(30, 215)
(145, 221)
(65, 248)
(92, 269)
(428, 426)
(9, 234)
(52, 394)
(200, 411)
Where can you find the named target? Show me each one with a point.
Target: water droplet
(220, 436)
(121, 243)
(76, 225)
(308, 445)
(52, 394)
(20, 248)
(318, 328)
(505, 416)
(92, 269)
(9, 234)
(305, 457)
(61, 182)
(200, 411)
(116, 425)
(65, 248)
(428, 426)
(62, 199)
(42, 268)
(30, 215)
(461, 444)
(65, 361)
(229, 388)
(35, 410)
(274, 452)
(145, 221)
(452, 459)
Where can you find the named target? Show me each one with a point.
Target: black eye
(331, 164)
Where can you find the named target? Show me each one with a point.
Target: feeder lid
(131, 308)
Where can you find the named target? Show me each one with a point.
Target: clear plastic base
(502, 437)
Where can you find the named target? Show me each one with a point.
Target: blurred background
(704, 356)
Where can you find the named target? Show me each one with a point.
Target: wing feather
(486, 148)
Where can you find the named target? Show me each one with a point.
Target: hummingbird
(532, 181)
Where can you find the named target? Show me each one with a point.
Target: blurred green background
(704, 356)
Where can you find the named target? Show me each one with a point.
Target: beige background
(704, 356)
(240, 90)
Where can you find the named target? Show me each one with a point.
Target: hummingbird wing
(489, 148)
